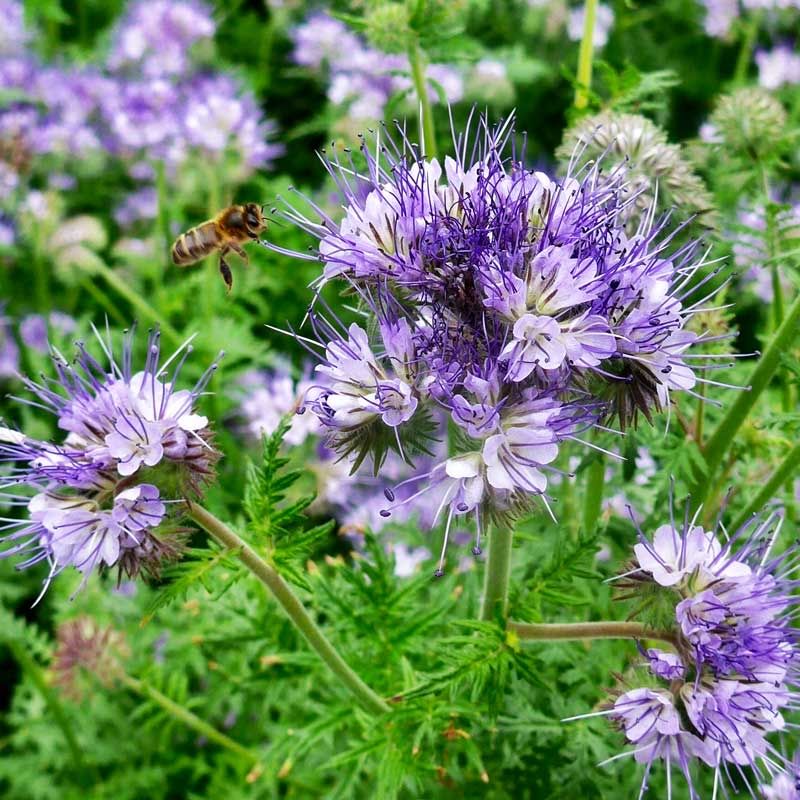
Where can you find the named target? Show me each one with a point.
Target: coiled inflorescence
(514, 304)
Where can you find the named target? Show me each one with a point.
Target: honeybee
(228, 231)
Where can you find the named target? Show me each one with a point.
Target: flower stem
(185, 716)
(291, 605)
(593, 498)
(585, 55)
(36, 674)
(417, 61)
(782, 473)
(574, 631)
(138, 302)
(498, 572)
(746, 50)
(726, 430)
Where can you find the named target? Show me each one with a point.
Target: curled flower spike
(735, 671)
(134, 443)
(516, 304)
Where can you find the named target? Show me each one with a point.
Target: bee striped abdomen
(195, 244)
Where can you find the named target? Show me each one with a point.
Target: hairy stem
(574, 631)
(291, 605)
(498, 572)
(737, 413)
(417, 61)
(585, 55)
(782, 473)
(185, 716)
(593, 497)
(37, 676)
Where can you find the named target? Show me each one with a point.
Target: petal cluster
(734, 674)
(131, 443)
(515, 303)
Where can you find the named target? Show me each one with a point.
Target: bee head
(254, 219)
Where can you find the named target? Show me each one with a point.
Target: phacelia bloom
(603, 22)
(750, 246)
(778, 67)
(155, 36)
(362, 79)
(267, 398)
(13, 35)
(134, 443)
(653, 167)
(734, 671)
(720, 16)
(514, 303)
(9, 350)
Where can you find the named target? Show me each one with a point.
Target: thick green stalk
(185, 716)
(574, 631)
(593, 497)
(586, 55)
(726, 431)
(782, 473)
(138, 302)
(291, 605)
(36, 674)
(497, 574)
(417, 62)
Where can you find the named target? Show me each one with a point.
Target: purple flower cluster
(778, 67)
(152, 100)
(513, 303)
(362, 79)
(736, 666)
(133, 443)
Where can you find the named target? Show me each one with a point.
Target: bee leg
(239, 250)
(225, 270)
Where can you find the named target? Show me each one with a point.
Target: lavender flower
(14, 36)
(514, 303)
(735, 667)
(604, 21)
(155, 36)
(133, 444)
(720, 16)
(362, 79)
(267, 398)
(778, 67)
(9, 351)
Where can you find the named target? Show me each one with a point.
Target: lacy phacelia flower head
(735, 666)
(514, 302)
(134, 443)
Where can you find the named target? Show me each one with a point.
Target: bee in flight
(228, 231)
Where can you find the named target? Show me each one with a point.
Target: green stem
(699, 419)
(36, 674)
(104, 301)
(746, 50)
(574, 631)
(291, 605)
(498, 572)
(185, 716)
(138, 302)
(586, 55)
(782, 473)
(593, 498)
(417, 61)
(734, 418)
